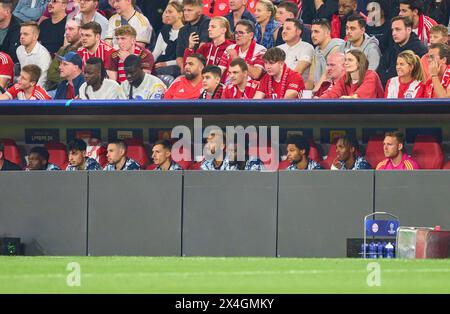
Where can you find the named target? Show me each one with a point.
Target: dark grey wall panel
(229, 213)
(319, 210)
(419, 198)
(46, 209)
(135, 213)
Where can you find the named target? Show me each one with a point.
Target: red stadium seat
(12, 152)
(326, 164)
(179, 158)
(138, 153)
(151, 167)
(195, 166)
(58, 154)
(96, 150)
(314, 154)
(374, 150)
(427, 152)
(284, 164)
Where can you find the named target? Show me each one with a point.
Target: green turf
(220, 275)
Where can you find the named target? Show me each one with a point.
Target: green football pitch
(220, 275)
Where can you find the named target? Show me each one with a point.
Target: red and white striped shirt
(397, 89)
(38, 93)
(423, 29)
(233, 92)
(121, 76)
(104, 52)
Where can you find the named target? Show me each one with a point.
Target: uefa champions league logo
(375, 228)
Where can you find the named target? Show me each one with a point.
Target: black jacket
(183, 36)
(310, 13)
(7, 165)
(386, 68)
(12, 39)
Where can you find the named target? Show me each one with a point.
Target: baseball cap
(73, 58)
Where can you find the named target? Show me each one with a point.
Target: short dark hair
(34, 71)
(274, 55)
(132, 60)
(33, 24)
(289, 6)
(398, 135)
(98, 61)
(199, 57)
(240, 62)
(94, 26)
(323, 22)
(41, 151)
(298, 25)
(194, 3)
(406, 20)
(166, 144)
(77, 144)
(414, 5)
(120, 143)
(250, 26)
(300, 142)
(357, 17)
(214, 69)
(349, 141)
(10, 4)
(2, 147)
(444, 51)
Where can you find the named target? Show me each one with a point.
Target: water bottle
(389, 250)
(372, 250)
(362, 250)
(380, 250)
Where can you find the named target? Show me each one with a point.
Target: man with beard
(118, 159)
(162, 156)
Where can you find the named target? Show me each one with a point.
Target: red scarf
(121, 76)
(283, 81)
(251, 50)
(444, 82)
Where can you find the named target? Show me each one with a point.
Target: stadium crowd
(236, 49)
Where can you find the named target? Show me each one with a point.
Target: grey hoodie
(370, 49)
(321, 57)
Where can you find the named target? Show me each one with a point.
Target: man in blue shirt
(78, 159)
(162, 156)
(117, 158)
(347, 148)
(297, 153)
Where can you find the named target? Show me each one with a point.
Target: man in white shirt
(31, 51)
(88, 13)
(298, 53)
(127, 15)
(97, 86)
(140, 85)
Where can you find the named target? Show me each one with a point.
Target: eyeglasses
(240, 33)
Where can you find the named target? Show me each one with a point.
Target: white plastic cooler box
(417, 242)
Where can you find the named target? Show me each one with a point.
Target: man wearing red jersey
(26, 87)
(241, 87)
(279, 81)
(6, 70)
(188, 86)
(438, 86)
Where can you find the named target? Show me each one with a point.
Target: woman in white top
(166, 44)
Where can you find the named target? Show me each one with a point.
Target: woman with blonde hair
(409, 80)
(358, 81)
(266, 31)
(166, 43)
(220, 35)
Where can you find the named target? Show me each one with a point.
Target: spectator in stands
(297, 153)
(212, 88)
(379, 23)
(321, 38)
(188, 86)
(52, 30)
(31, 51)
(266, 28)
(197, 23)
(438, 35)
(245, 48)
(88, 13)
(126, 14)
(9, 29)
(38, 160)
(162, 156)
(409, 82)
(6, 71)
(316, 9)
(289, 9)
(358, 39)
(93, 46)
(126, 41)
(438, 86)
(347, 8)
(216, 158)
(395, 153)
(220, 35)
(421, 23)
(97, 85)
(140, 85)
(72, 9)
(166, 44)
(27, 87)
(5, 164)
(72, 36)
(358, 81)
(299, 54)
(438, 10)
(347, 158)
(118, 159)
(70, 68)
(78, 159)
(238, 12)
(242, 86)
(279, 81)
(153, 10)
(29, 10)
(334, 71)
(404, 39)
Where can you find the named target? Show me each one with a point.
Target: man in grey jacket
(358, 39)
